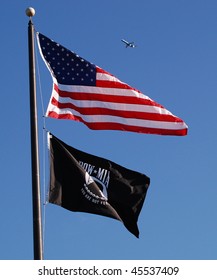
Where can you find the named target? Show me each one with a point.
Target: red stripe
(112, 84)
(106, 98)
(100, 70)
(116, 126)
(119, 113)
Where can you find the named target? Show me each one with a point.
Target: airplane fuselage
(128, 44)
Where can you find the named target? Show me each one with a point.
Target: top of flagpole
(30, 12)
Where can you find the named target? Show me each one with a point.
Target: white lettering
(100, 174)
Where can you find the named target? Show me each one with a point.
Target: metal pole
(36, 200)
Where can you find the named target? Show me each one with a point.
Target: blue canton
(67, 67)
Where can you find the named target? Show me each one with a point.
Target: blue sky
(175, 63)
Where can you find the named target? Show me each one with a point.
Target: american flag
(85, 92)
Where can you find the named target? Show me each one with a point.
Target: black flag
(86, 183)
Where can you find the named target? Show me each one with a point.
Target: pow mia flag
(83, 182)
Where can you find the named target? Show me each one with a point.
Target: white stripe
(101, 90)
(107, 77)
(112, 105)
(114, 119)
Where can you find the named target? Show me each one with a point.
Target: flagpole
(36, 201)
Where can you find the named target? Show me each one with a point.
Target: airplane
(128, 44)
